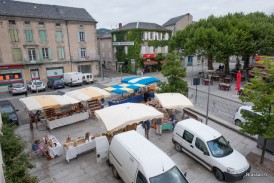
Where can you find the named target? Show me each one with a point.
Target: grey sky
(110, 13)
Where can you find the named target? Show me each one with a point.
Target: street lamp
(209, 73)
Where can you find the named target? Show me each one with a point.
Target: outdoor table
(206, 82)
(224, 86)
(215, 78)
(227, 80)
(67, 120)
(73, 152)
(56, 150)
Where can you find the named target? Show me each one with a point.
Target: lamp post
(101, 64)
(209, 73)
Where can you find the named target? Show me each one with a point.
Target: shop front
(54, 73)
(11, 74)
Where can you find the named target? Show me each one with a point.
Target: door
(190, 60)
(187, 142)
(102, 148)
(201, 152)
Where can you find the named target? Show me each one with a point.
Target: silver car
(17, 88)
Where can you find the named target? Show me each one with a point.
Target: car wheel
(115, 173)
(218, 174)
(237, 122)
(178, 147)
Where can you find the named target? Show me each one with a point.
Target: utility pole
(101, 64)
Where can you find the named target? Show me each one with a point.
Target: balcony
(32, 62)
(87, 59)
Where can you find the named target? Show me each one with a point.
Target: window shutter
(50, 53)
(41, 54)
(16, 35)
(86, 37)
(78, 37)
(30, 35)
(79, 54)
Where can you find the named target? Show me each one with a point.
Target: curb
(223, 124)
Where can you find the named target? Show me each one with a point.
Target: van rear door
(102, 148)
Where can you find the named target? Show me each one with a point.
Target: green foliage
(159, 57)
(175, 74)
(16, 162)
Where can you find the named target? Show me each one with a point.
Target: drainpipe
(70, 57)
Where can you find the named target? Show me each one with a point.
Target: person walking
(159, 126)
(147, 128)
(172, 119)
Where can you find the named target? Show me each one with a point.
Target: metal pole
(209, 76)
(101, 64)
(121, 67)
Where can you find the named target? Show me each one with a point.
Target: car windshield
(18, 85)
(219, 147)
(6, 109)
(173, 175)
(58, 82)
(37, 82)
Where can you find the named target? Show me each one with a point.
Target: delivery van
(87, 78)
(73, 78)
(211, 149)
(135, 159)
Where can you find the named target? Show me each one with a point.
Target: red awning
(146, 63)
(149, 55)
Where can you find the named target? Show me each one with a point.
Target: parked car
(53, 84)
(211, 149)
(17, 88)
(36, 85)
(6, 107)
(87, 78)
(238, 118)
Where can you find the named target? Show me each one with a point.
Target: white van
(211, 149)
(87, 78)
(73, 78)
(134, 159)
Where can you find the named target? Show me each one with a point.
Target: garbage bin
(269, 144)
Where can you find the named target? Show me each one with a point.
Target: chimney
(120, 26)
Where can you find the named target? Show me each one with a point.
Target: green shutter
(29, 36)
(17, 54)
(41, 54)
(61, 55)
(14, 35)
(43, 36)
(59, 36)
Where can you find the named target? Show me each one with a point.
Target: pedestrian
(26, 94)
(146, 96)
(159, 126)
(172, 119)
(146, 125)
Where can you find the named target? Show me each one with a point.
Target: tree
(260, 92)
(175, 74)
(16, 162)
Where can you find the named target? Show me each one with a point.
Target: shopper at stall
(172, 119)
(159, 126)
(37, 147)
(146, 125)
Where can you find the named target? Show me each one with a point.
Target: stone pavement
(85, 168)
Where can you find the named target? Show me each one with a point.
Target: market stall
(55, 109)
(118, 117)
(91, 96)
(53, 146)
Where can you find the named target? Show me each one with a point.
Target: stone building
(43, 41)
(178, 23)
(105, 47)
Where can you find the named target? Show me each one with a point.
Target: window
(156, 35)
(34, 73)
(32, 54)
(81, 26)
(83, 52)
(199, 144)
(188, 136)
(141, 178)
(151, 36)
(14, 35)
(143, 50)
(61, 54)
(41, 24)
(114, 37)
(59, 36)
(219, 147)
(81, 37)
(29, 35)
(159, 49)
(58, 25)
(143, 36)
(172, 175)
(151, 49)
(12, 22)
(160, 36)
(43, 36)
(17, 56)
(45, 53)
(27, 23)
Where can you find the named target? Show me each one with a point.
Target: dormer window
(58, 25)
(81, 26)
(27, 23)
(41, 24)
(12, 22)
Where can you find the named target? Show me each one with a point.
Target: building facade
(137, 44)
(44, 41)
(106, 51)
(178, 23)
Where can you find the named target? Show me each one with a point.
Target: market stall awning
(122, 88)
(173, 100)
(42, 102)
(88, 93)
(119, 116)
(140, 80)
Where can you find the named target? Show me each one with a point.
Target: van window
(83, 77)
(219, 147)
(199, 144)
(188, 136)
(173, 175)
(141, 178)
(88, 76)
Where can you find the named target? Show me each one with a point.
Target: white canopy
(47, 101)
(173, 100)
(119, 116)
(88, 93)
